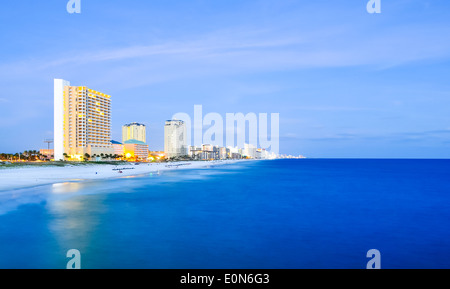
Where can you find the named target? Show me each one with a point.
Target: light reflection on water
(10, 201)
(75, 211)
(65, 188)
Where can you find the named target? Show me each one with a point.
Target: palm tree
(86, 157)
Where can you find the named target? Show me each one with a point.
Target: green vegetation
(31, 155)
(179, 159)
(6, 164)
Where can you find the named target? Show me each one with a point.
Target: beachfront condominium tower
(175, 138)
(134, 131)
(82, 122)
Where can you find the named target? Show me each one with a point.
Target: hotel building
(134, 141)
(82, 121)
(175, 138)
(134, 131)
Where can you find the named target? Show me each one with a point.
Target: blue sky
(346, 83)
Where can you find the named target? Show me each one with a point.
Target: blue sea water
(259, 214)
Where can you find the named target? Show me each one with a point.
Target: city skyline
(346, 83)
(82, 132)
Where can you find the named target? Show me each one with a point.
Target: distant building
(175, 138)
(223, 153)
(134, 131)
(235, 152)
(156, 155)
(236, 156)
(195, 152)
(210, 152)
(118, 148)
(48, 154)
(82, 121)
(134, 149)
(249, 151)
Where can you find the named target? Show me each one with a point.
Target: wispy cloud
(244, 51)
(331, 108)
(401, 137)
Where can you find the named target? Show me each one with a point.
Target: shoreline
(26, 177)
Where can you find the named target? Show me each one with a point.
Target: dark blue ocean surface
(264, 214)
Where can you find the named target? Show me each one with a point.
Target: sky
(346, 83)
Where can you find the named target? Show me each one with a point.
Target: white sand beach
(29, 176)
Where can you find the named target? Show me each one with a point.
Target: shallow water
(268, 214)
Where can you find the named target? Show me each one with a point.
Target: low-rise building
(135, 150)
(47, 154)
(195, 152)
(224, 153)
(156, 156)
(118, 147)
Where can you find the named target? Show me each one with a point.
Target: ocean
(280, 214)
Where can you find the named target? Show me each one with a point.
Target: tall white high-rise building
(175, 138)
(249, 151)
(82, 122)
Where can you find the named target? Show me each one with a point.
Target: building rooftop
(133, 141)
(134, 123)
(174, 121)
